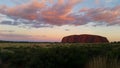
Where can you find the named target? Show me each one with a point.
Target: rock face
(84, 38)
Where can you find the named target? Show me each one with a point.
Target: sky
(51, 20)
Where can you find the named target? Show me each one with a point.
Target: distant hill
(5, 41)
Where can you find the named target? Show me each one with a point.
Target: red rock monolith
(84, 38)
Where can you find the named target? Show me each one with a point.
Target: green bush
(76, 55)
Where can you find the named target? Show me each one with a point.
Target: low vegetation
(59, 55)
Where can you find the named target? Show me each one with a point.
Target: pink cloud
(97, 1)
(57, 14)
(38, 13)
(84, 9)
(107, 15)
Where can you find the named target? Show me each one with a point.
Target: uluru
(84, 38)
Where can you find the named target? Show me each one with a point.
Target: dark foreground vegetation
(59, 55)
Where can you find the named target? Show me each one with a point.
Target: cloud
(67, 29)
(19, 37)
(6, 36)
(10, 31)
(38, 11)
(47, 13)
(97, 1)
(109, 16)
